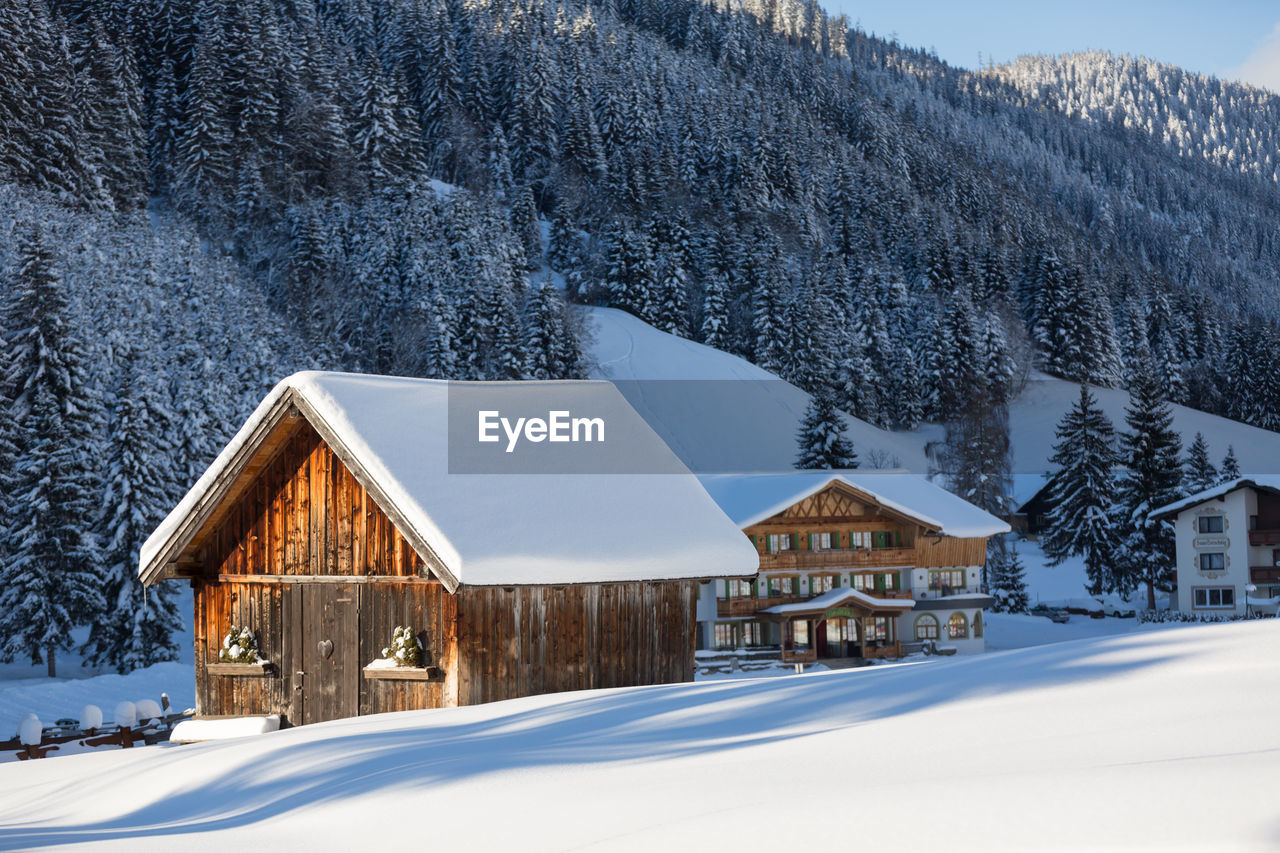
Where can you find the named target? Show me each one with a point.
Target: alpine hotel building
(852, 565)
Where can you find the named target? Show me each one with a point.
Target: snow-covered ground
(26, 689)
(1158, 740)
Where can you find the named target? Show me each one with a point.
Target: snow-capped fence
(146, 720)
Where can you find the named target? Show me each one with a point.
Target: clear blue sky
(1236, 39)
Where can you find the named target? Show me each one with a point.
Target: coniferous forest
(200, 196)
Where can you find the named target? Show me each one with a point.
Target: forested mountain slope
(1235, 126)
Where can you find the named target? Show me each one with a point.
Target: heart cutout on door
(325, 647)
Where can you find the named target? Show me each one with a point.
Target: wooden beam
(305, 579)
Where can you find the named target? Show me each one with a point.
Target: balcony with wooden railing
(728, 608)
(1264, 537)
(1264, 574)
(731, 607)
(847, 559)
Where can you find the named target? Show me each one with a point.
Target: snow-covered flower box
(239, 655)
(402, 660)
(263, 668)
(390, 670)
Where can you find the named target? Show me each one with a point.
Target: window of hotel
(926, 627)
(875, 582)
(738, 588)
(782, 586)
(947, 579)
(1223, 597)
(1210, 523)
(1213, 562)
(886, 538)
(977, 624)
(726, 636)
(958, 627)
(820, 541)
(800, 634)
(819, 584)
(752, 634)
(875, 628)
(859, 539)
(781, 542)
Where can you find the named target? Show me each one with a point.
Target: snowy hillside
(745, 419)
(1081, 745)
(729, 428)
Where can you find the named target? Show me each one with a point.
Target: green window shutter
(795, 541)
(810, 541)
(726, 589)
(880, 582)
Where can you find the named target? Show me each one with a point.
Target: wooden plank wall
(284, 615)
(429, 610)
(523, 641)
(260, 606)
(948, 551)
(306, 514)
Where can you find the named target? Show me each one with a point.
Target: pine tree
(630, 279)
(671, 309)
(51, 579)
(545, 334)
(822, 441)
(1007, 582)
(715, 313)
(525, 226)
(137, 627)
(769, 325)
(1230, 466)
(1151, 478)
(1081, 493)
(1200, 473)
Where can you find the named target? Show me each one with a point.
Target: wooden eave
(877, 507)
(180, 555)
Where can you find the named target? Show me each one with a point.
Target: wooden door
(330, 651)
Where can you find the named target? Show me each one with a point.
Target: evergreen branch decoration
(405, 650)
(239, 646)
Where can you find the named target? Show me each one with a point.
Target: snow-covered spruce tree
(1200, 473)
(50, 581)
(1151, 477)
(769, 326)
(822, 439)
(630, 278)
(1230, 466)
(1082, 491)
(137, 626)
(1007, 581)
(715, 313)
(671, 309)
(544, 332)
(524, 224)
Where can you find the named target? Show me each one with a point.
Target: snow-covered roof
(487, 529)
(836, 597)
(1264, 482)
(751, 498)
(1025, 487)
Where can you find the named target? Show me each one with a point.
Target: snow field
(1105, 743)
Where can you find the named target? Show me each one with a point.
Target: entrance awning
(846, 603)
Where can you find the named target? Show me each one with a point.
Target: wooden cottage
(332, 518)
